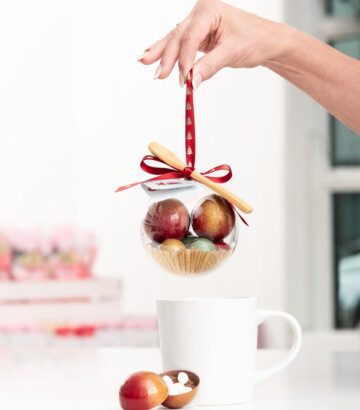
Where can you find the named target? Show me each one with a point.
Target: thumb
(208, 65)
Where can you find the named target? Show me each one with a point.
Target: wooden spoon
(171, 159)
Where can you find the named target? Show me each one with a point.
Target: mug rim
(208, 299)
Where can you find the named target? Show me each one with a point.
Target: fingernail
(144, 54)
(196, 81)
(181, 80)
(157, 72)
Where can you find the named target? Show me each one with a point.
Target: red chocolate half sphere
(142, 391)
(220, 245)
(168, 219)
(214, 218)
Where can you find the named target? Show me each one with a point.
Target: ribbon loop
(222, 179)
(151, 169)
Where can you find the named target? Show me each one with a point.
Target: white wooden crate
(93, 288)
(84, 301)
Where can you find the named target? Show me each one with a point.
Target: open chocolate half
(180, 400)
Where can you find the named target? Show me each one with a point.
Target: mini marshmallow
(168, 380)
(173, 391)
(183, 378)
(178, 388)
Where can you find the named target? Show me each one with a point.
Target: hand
(228, 36)
(231, 37)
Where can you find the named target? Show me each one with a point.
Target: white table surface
(89, 379)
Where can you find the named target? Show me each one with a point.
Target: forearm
(328, 76)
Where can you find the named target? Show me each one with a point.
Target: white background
(77, 111)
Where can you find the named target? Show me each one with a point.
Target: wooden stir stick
(171, 159)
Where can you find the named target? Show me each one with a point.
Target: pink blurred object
(73, 255)
(69, 269)
(30, 250)
(76, 331)
(23, 272)
(5, 259)
(32, 256)
(28, 241)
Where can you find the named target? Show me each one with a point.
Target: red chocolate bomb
(222, 246)
(143, 391)
(214, 218)
(168, 219)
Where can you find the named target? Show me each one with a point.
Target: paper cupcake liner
(188, 261)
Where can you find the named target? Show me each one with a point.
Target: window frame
(311, 287)
(332, 120)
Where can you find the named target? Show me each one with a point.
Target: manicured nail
(196, 81)
(157, 72)
(143, 55)
(181, 80)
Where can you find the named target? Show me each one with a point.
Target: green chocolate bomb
(189, 239)
(202, 244)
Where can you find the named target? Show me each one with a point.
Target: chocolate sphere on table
(143, 391)
(189, 245)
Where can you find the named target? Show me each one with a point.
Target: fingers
(154, 52)
(182, 44)
(193, 36)
(169, 57)
(170, 50)
(167, 49)
(209, 65)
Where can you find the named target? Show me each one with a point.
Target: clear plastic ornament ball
(187, 229)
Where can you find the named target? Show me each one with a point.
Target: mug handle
(263, 315)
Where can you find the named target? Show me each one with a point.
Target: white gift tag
(170, 188)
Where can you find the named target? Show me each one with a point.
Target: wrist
(281, 42)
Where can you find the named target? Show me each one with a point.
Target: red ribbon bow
(173, 173)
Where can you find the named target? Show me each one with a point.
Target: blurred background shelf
(95, 289)
(27, 315)
(34, 304)
(86, 312)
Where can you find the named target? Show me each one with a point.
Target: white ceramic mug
(217, 339)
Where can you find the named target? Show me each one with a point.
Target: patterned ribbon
(190, 149)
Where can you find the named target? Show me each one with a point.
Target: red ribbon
(190, 148)
(173, 173)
